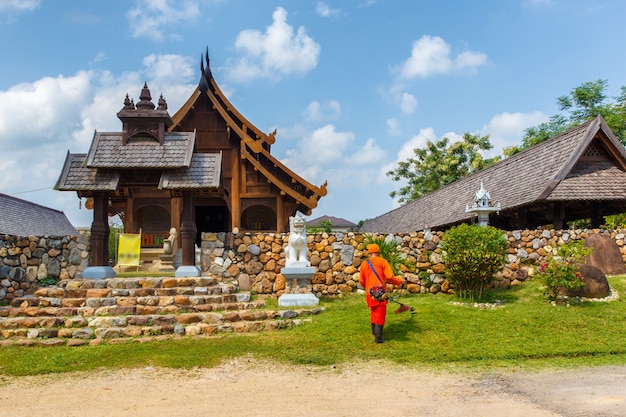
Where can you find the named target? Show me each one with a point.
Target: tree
(584, 103)
(322, 226)
(439, 164)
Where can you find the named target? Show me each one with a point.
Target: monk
(369, 281)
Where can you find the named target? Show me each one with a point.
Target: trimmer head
(403, 308)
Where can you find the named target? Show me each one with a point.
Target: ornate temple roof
(254, 144)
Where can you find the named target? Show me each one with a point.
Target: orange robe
(368, 280)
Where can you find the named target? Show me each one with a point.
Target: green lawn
(527, 332)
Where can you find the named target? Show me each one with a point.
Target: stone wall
(26, 261)
(254, 261)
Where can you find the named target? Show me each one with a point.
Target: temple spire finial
(145, 101)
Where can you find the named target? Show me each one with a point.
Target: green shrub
(47, 282)
(472, 254)
(560, 271)
(390, 251)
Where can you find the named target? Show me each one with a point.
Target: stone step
(125, 301)
(139, 282)
(80, 330)
(120, 306)
(55, 292)
(116, 310)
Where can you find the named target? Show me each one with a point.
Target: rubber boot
(378, 333)
(373, 327)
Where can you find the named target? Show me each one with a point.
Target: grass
(528, 332)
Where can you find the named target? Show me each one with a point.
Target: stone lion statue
(297, 251)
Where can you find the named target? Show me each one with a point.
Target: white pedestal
(187, 271)
(298, 300)
(98, 272)
(297, 275)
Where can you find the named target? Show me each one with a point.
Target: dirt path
(242, 388)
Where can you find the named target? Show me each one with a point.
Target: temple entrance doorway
(212, 219)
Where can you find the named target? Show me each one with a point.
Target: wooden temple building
(204, 169)
(578, 174)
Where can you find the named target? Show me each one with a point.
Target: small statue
(297, 250)
(170, 245)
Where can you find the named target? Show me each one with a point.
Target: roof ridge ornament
(205, 72)
(145, 98)
(162, 103)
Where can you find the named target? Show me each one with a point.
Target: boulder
(606, 255)
(596, 284)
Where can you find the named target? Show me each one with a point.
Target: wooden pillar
(522, 218)
(129, 216)
(235, 196)
(558, 216)
(100, 230)
(596, 217)
(175, 212)
(280, 214)
(188, 229)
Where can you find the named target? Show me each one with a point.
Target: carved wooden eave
(251, 135)
(308, 195)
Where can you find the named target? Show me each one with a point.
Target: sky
(351, 86)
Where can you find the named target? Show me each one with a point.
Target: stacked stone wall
(27, 261)
(254, 261)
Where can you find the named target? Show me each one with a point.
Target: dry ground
(243, 388)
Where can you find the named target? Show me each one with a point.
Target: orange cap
(373, 248)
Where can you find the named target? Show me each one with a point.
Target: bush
(472, 255)
(560, 271)
(390, 251)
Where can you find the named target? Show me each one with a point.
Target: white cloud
(507, 129)
(408, 103)
(328, 111)
(393, 127)
(318, 151)
(154, 19)
(370, 154)
(56, 102)
(169, 68)
(325, 10)
(431, 55)
(19, 5)
(279, 51)
(406, 152)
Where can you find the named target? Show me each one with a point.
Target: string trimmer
(403, 307)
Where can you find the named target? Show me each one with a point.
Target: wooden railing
(153, 240)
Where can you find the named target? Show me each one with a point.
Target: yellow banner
(129, 249)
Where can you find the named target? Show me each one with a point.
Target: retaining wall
(26, 261)
(254, 261)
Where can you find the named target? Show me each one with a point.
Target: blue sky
(351, 86)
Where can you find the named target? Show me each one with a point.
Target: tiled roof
(204, 172)
(336, 221)
(107, 151)
(75, 176)
(541, 173)
(23, 218)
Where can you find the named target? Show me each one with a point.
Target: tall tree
(439, 164)
(583, 103)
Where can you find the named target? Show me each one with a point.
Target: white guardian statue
(297, 251)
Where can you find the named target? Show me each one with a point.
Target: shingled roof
(75, 176)
(108, 151)
(23, 218)
(204, 172)
(576, 172)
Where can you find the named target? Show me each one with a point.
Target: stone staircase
(116, 310)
